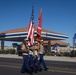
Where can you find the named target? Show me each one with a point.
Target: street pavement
(52, 58)
(11, 65)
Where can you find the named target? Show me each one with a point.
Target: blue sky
(58, 15)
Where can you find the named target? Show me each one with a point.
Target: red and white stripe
(30, 33)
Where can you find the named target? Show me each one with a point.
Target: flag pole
(73, 43)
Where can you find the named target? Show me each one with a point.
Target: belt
(30, 52)
(40, 52)
(24, 53)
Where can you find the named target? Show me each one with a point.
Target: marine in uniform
(41, 54)
(31, 48)
(26, 64)
(35, 52)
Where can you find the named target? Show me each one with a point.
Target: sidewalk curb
(52, 58)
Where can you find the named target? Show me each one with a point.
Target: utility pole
(74, 38)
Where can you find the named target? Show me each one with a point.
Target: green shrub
(51, 54)
(48, 54)
(66, 54)
(12, 51)
(1, 51)
(58, 54)
(73, 53)
(6, 52)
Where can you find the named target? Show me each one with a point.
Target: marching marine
(35, 52)
(41, 54)
(31, 48)
(26, 64)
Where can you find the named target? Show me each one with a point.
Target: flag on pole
(39, 28)
(30, 35)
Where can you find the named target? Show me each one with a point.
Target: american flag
(39, 28)
(30, 35)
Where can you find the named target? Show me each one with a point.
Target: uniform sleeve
(38, 46)
(23, 48)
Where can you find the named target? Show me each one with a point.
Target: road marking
(58, 68)
(10, 66)
(7, 63)
(62, 71)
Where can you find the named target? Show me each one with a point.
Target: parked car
(53, 51)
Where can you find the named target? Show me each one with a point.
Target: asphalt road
(11, 66)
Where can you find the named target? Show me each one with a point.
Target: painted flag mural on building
(30, 35)
(39, 28)
(74, 40)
